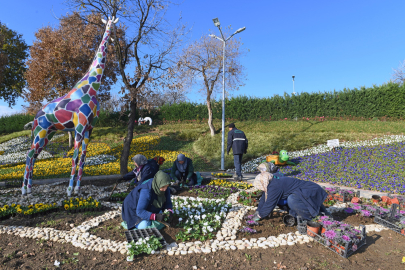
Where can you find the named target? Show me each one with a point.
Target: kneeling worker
(304, 198)
(147, 202)
(183, 170)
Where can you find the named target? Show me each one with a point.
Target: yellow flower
(30, 206)
(13, 205)
(66, 207)
(5, 207)
(403, 259)
(19, 210)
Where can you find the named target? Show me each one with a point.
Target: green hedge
(15, 122)
(377, 101)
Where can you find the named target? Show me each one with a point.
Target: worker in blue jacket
(147, 201)
(239, 144)
(144, 169)
(304, 198)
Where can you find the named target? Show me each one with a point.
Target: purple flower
(346, 238)
(327, 223)
(365, 213)
(354, 247)
(349, 210)
(357, 207)
(324, 217)
(402, 212)
(330, 234)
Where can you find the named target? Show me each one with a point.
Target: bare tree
(114, 104)
(201, 63)
(399, 74)
(153, 42)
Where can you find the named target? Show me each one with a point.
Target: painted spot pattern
(76, 111)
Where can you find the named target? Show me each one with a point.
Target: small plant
(251, 222)
(247, 230)
(248, 257)
(146, 245)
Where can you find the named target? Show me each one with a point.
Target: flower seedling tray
(388, 220)
(343, 251)
(135, 235)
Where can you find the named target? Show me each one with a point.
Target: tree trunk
(210, 117)
(70, 139)
(128, 139)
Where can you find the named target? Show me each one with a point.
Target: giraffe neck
(94, 74)
(100, 57)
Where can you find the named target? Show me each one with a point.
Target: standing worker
(239, 144)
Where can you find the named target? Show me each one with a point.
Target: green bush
(13, 123)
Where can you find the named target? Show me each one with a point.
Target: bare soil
(110, 229)
(270, 226)
(60, 220)
(384, 250)
(353, 219)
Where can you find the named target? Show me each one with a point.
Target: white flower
(56, 263)
(180, 219)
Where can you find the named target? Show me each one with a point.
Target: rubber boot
(69, 191)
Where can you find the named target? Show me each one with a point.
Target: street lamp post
(294, 93)
(293, 85)
(224, 40)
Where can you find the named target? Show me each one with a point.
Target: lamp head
(240, 30)
(216, 22)
(293, 77)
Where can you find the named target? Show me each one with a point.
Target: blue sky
(327, 45)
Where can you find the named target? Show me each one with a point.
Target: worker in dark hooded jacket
(183, 170)
(304, 198)
(239, 144)
(144, 169)
(147, 202)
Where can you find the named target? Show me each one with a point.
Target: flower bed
(76, 205)
(339, 237)
(200, 219)
(101, 159)
(222, 175)
(212, 192)
(229, 184)
(29, 211)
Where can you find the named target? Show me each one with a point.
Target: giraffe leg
(75, 159)
(85, 142)
(41, 140)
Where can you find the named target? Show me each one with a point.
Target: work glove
(159, 217)
(256, 216)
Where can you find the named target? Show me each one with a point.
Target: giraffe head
(109, 23)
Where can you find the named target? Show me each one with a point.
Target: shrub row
(387, 100)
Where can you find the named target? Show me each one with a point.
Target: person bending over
(147, 201)
(304, 198)
(144, 169)
(183, 171)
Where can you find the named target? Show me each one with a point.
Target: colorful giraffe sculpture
(76, 111)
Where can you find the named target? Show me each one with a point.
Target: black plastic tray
(388, 219)
(135, 235)
(343, 252)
